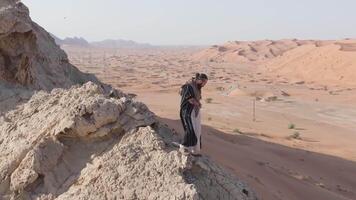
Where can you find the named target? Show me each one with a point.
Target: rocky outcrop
(28, 54)
(120, 44)
(29, 59)
(71, 41)
(83, 144)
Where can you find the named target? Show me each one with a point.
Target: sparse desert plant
(208, 100)
(236, 130)
(295, 135)
(209, 118)
(291, 126)
(220, 88)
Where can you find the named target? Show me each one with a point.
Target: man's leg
(197, 131)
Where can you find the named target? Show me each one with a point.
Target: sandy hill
(331, 64)
(240, 51)
(87, 142)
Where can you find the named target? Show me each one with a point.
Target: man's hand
(195, 102)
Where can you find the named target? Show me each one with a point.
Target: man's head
(201, 79)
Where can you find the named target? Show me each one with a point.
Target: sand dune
(331, 64)
(239, 51)
(325, 62)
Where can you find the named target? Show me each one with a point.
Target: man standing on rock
(190, 113)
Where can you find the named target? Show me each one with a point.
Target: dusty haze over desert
(279, 114)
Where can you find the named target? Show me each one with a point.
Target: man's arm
(194, 102)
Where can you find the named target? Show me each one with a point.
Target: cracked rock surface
(82, 144)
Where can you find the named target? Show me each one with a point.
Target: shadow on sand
(278, 172)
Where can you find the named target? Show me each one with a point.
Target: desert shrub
(236, 130)
(220, 88)
(208, 100)
(295, 135)
(291, 126)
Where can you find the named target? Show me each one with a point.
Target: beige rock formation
(29, 58)
(82, 144)
(28, 54)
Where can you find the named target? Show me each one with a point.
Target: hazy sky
(196, 21)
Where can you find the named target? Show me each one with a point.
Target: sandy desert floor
(301, 144)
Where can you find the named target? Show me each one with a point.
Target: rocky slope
(29, 58)
(83, 144)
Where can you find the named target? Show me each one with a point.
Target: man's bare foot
(176, 144)
(181, 147)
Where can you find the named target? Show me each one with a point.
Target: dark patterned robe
(186, 110)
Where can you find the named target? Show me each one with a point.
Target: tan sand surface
(302, 143)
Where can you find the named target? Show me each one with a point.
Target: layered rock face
(28, 54)
(29, 58)
(83, 144)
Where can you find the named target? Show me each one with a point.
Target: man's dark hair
(199, 76)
